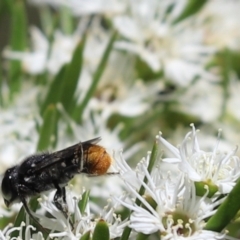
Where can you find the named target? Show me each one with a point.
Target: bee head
(8, 187)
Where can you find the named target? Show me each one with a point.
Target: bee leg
(60, 201)
(24, 202)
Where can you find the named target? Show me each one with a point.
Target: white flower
(226, 15)
(203, 99)
(82, 222)
(177, 49)
(24, 233)
(217, 168)
(60, 227)
(33, 62)
(128, 101)
(233, 101)
(81, 7)
(37, 61)
(18, 127)
(177, 213)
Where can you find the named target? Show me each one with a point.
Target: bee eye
(7, 186)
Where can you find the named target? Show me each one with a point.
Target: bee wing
(37, 163)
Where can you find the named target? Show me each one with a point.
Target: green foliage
(55, 90)
(83, 202)
(101, 231)
(48, 131)
(191, 8)
(18, 42)
(86, 236)
(226, 211)
(71, 76)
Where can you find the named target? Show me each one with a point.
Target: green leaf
(33, 203)
(4, 221)
(226, 211)
(153, 157)
(96, 78)
(192, 7)
(33, 206)
(233, 229)
(71, 76)
(101, 231)
(86, 236)
(83, 202)
(5, 7)
(223, 61)
(1, 87)
(18, 42)
(66, 20)
(235, 62)
(49, 22)
(151, 201)
(48, 131)
(19, 219)
(142, 236)
(54, 94)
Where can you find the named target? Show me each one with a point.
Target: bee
(47, 171)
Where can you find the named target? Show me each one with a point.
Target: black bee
(46, 171)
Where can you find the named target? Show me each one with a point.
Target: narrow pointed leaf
(47, 135)
(226, 211)
(142, 236)
(71, 76)
(5, 7)
(19, 219)
(49, 23)
(96, 78)
(86, 236)
(1, 86)
(66, 20)
(83, 202)
(101, 231)
(191, 8)
(18, 42)
(54, 94)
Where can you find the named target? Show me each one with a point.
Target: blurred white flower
(33, 62)
(226, 15)
(81, 7)
(18, 127)
(61, 50)
(233, 101)
(39, 59)
(203, 99)
(177, 49)
(130, 101)
(217, 168)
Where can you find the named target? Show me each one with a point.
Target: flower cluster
(181, 192)
(78, 224)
